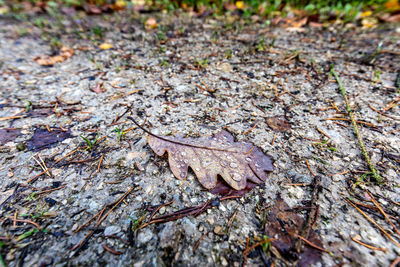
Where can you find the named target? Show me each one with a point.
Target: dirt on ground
(79, 182)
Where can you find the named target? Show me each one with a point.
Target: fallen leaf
(278, 123)
(8, 134)
(64, 54)
(151, 23)
(105, 46)
(283, 225)
(315, 24)
(92, 9)
(240, 4)
(389, 18)
(118, 5)
(367, 13)
(42, 138)
(40, 113)
(98, 88)
(237, 163)
(392, 5)
(298, 23)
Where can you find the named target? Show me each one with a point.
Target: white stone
(144, 236)
(112, 230)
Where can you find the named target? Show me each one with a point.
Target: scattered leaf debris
(285, 226)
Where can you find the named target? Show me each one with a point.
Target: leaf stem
(176, 142)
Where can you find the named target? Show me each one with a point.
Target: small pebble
(112, 230)
(162, 210)
(144, 236)
(222, 208)
(218, 230)
(224, 262)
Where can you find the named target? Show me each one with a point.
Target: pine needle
(364, 152)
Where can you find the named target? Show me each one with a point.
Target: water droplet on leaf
(236, 177)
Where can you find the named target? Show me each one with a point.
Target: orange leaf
(151, 23)
(64, 54)
(392, 5)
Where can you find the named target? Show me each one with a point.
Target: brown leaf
(283, 224)
(278, 123)
(42, 138)
(237, 163)
(64, 54)
(98, 88)
(391, 18)
(93, 9)
(8, 134)
(299, 23)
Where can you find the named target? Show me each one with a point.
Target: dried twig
(100, 219)
(198, 242)
(37, 176)
(158, 208)
(311, 244)
(101, 160)
(313, 214)
(395, 262)
(112, 251)
(246, 251)
(383, 213)
(50, 190)
(30, 222)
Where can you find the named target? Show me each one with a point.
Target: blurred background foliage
(322, 10)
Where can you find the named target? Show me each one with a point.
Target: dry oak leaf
(210, 156)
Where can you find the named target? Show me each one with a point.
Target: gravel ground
(192, 76)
